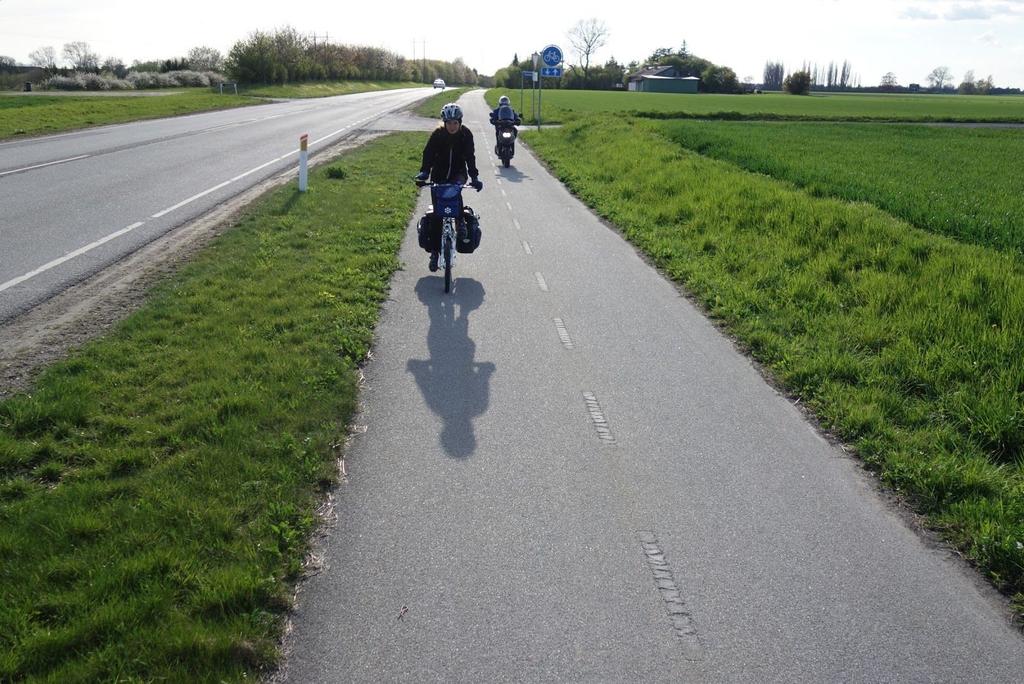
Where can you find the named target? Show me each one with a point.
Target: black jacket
(450, 157)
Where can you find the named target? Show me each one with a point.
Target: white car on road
(439, 83)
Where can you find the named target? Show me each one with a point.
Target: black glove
(477, 184)
(422, 175)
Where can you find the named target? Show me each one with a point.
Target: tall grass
(908, 345)
(967, 183)
(157, 488)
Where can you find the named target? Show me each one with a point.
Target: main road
(568, 474)
(72, 204)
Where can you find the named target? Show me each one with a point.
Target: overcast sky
(907, 37)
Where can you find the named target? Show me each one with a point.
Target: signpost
(525, 75)
(552, 57)
(533, 104)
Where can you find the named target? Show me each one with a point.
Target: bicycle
(447, 203)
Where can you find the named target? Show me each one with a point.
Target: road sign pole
(533, 93)
(536, 114)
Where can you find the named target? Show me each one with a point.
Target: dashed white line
(516, 222)
(509, 205)
(503, 194)
(39, 166)
(193, 198)
(251, 171)
(527, 248)
(563, 334)
(68, 256)
(598, 418)
(541, 282)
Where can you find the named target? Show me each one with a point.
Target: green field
(967, 183)
(157, 488)
(907, 345)
(563, 105)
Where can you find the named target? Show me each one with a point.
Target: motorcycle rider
(450, 157)
(504, 116)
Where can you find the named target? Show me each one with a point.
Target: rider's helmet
(451, 111)
(503, 100)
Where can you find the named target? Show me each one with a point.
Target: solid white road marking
(39, 166)
(69, 256)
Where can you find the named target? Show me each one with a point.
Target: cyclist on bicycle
(450, 157)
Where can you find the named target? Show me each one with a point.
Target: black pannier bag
(429, 239)
(472, 220)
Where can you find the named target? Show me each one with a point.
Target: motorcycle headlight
(506, 134)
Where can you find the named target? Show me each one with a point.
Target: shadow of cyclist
(456, 388)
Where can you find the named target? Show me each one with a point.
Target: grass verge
(907, 345)
(42, 114)
(431, 107)
(157, 489)
(961, 182)
(326, 88)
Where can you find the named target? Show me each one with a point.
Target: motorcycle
(506, 147)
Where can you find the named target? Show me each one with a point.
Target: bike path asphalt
(568, 474)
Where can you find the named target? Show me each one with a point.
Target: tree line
(287, 56)
(838, 78)
(263, 58)
(612, 75)
(82, 59)
(835, 76)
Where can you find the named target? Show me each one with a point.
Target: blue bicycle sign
(552, 55)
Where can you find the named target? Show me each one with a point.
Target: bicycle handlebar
(425, 183)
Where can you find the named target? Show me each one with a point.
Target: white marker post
(303, 157)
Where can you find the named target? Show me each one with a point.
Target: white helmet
(451, 111)
(503, 100)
